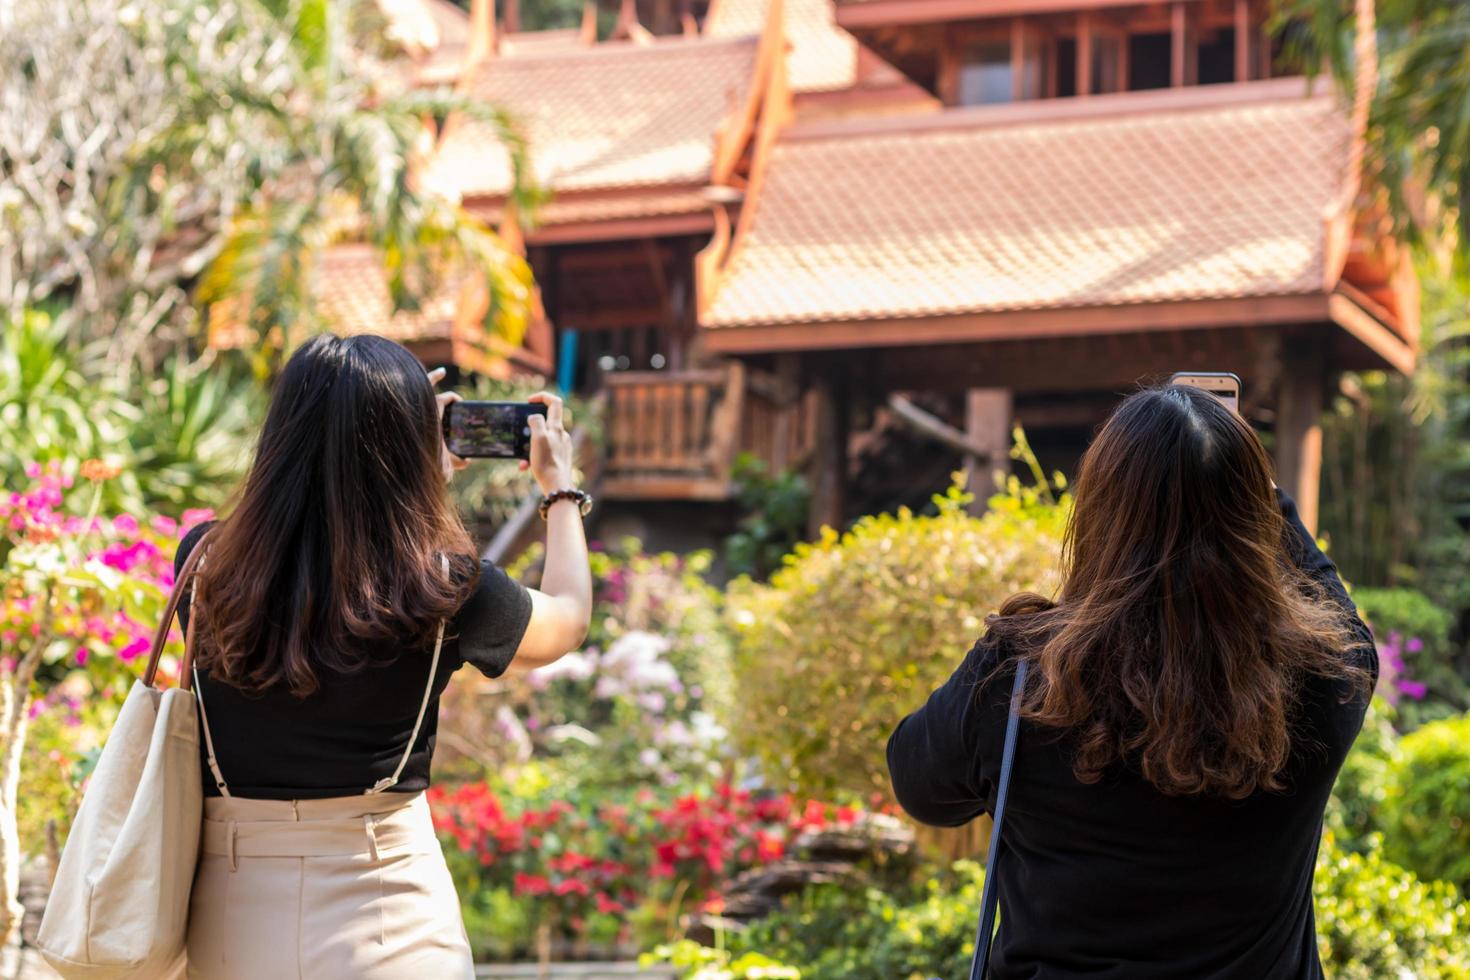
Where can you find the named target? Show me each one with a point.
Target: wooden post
(1018, 59)
(1179, 51)
(482, 29)
(1242, 40)
(1299, 424)
(829, 478)
(988, 413)
(1084, 54)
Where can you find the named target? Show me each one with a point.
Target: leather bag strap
(160, 635)
(990, 898)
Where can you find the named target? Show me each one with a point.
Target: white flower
(573, 667)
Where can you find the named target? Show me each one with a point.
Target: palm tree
(1419, 123)
(159, 147)
(332, 147)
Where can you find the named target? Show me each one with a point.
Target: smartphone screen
(1222, 384)
(490, 430)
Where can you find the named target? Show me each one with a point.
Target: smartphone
(490, 430)
(1222, 384)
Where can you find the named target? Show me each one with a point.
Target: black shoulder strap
(991, 897)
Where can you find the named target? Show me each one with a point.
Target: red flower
(531, 885)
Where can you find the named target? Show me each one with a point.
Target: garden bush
(1427, 811)
(1421, 668)
(636, 705)
(856, 629)
(1355, 811)
(1377, 920)
(601, 869)
(1374, 921)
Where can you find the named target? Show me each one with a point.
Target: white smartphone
(1222, 384)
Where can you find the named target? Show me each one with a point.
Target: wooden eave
(858, 15)
(1387, 349)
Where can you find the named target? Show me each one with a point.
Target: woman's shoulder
(190, 539)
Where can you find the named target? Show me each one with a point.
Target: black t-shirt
(351, 732)
(1114, 880)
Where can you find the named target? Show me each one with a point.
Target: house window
(1150, 61)
(985, 74)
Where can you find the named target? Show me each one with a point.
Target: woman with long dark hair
(1190, 695)
(331, 608)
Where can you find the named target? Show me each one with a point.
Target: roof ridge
(607, 49)
(1152, 103)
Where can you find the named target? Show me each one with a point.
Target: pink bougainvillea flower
(197, 515)
(134, 649)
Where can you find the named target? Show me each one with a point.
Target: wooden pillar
(1299, 424)
(482, 29)
(1084, 54)
(1242, 40)
(988, 415)
(829, 477)
(1018, 59)
(1183, 65)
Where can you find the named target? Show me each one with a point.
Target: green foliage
(1355, 810)
(1424, 85)
(1376, 920)
(180, 439)
(191, 434)
(774, 521)
(49, 409)
(696, 962)
(1427, 816)
(858, 627)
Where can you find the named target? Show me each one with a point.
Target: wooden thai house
(810, 226)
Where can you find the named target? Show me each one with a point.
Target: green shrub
(835, 935)
(696, 962)
(775, 511)
(854, 630)
(1418, 653)
(1427, 813)
(1356, 808)
(1376, 920)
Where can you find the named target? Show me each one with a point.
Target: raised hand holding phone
(1222, 384)
(551, 458)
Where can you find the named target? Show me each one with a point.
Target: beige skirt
(353, 887)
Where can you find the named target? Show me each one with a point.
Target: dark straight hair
(1183, 630)
(338, 533)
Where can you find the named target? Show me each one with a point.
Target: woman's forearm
(567, 576)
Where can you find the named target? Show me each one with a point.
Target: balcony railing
(675, 435)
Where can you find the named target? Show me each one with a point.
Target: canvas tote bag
(990, 896)
(120, 904)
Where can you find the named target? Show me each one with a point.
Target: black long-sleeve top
(1114, 880)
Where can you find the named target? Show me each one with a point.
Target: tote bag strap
(160, 635)
(990, 898)
(388, 782)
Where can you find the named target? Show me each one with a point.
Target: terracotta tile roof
(823, 57)
(611, 116)
(983, 210)
(351, 294)
(523, 43)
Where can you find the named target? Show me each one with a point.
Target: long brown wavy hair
(1183, 632)
(337, 536)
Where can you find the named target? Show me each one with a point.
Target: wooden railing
(674, 435)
